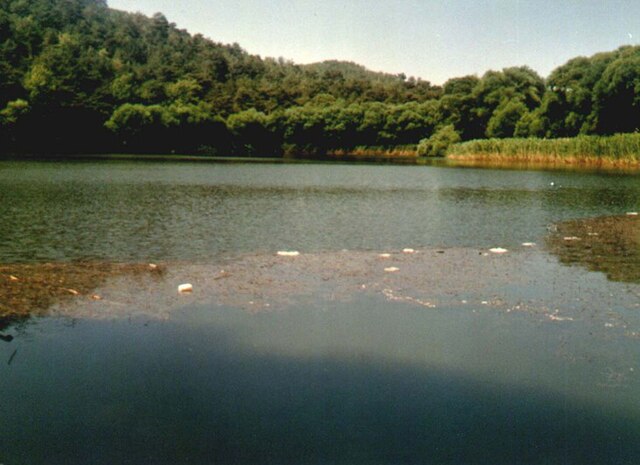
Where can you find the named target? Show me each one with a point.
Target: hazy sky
(431, 39)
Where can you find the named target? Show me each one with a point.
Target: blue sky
(431, 39)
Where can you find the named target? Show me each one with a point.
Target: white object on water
(384, 255)
(554, 317)
(571, 238)
(528, 244)
(391, 269)
(498, 250)
(408, 250)
(288, 253)
(187, 287)
(632, 213)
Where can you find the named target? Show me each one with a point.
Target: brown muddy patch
(610, 245)
(264, 282)
(33, 289)
(522, 280)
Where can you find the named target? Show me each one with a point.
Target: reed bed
(400, 151)
(620, 150)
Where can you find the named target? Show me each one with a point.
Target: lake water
(446, 354)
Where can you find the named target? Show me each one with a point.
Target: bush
(439, 142)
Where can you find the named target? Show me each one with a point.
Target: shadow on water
(185, 395)
(12, 324)
(610, 245)
(5, 323)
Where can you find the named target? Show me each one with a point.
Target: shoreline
(495, 160)
(386, 156)
(619, 151)
(544, 162)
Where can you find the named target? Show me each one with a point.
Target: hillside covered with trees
(77, 76)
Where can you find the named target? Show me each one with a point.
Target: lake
(431, 315)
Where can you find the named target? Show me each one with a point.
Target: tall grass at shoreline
(400, 151)
(617, 150)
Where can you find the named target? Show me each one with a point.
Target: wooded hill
(77, 76)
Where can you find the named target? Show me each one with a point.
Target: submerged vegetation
(607, 244)
(31, 289)
(86, 78)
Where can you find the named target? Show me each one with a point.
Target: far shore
(617, 153)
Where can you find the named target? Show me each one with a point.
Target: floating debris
(390, 295)
(184, 288)
(632, 213)
(13, 278)
(498, 250)
(288, 253)
(528, 244)
(555, 317)
(391, 269)
(609, 244)
(408, 250)
(384, 255)
(221, 275)
(41, 287)
(153, 266)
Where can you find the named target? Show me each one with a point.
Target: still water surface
(141, 211)
(528, 357)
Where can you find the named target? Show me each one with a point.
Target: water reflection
(610, 245)
(622, 167)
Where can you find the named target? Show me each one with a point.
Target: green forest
(79, 77)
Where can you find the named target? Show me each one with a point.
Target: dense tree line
(77, 76)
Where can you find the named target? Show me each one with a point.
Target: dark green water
(142, 211)
(528, 360)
